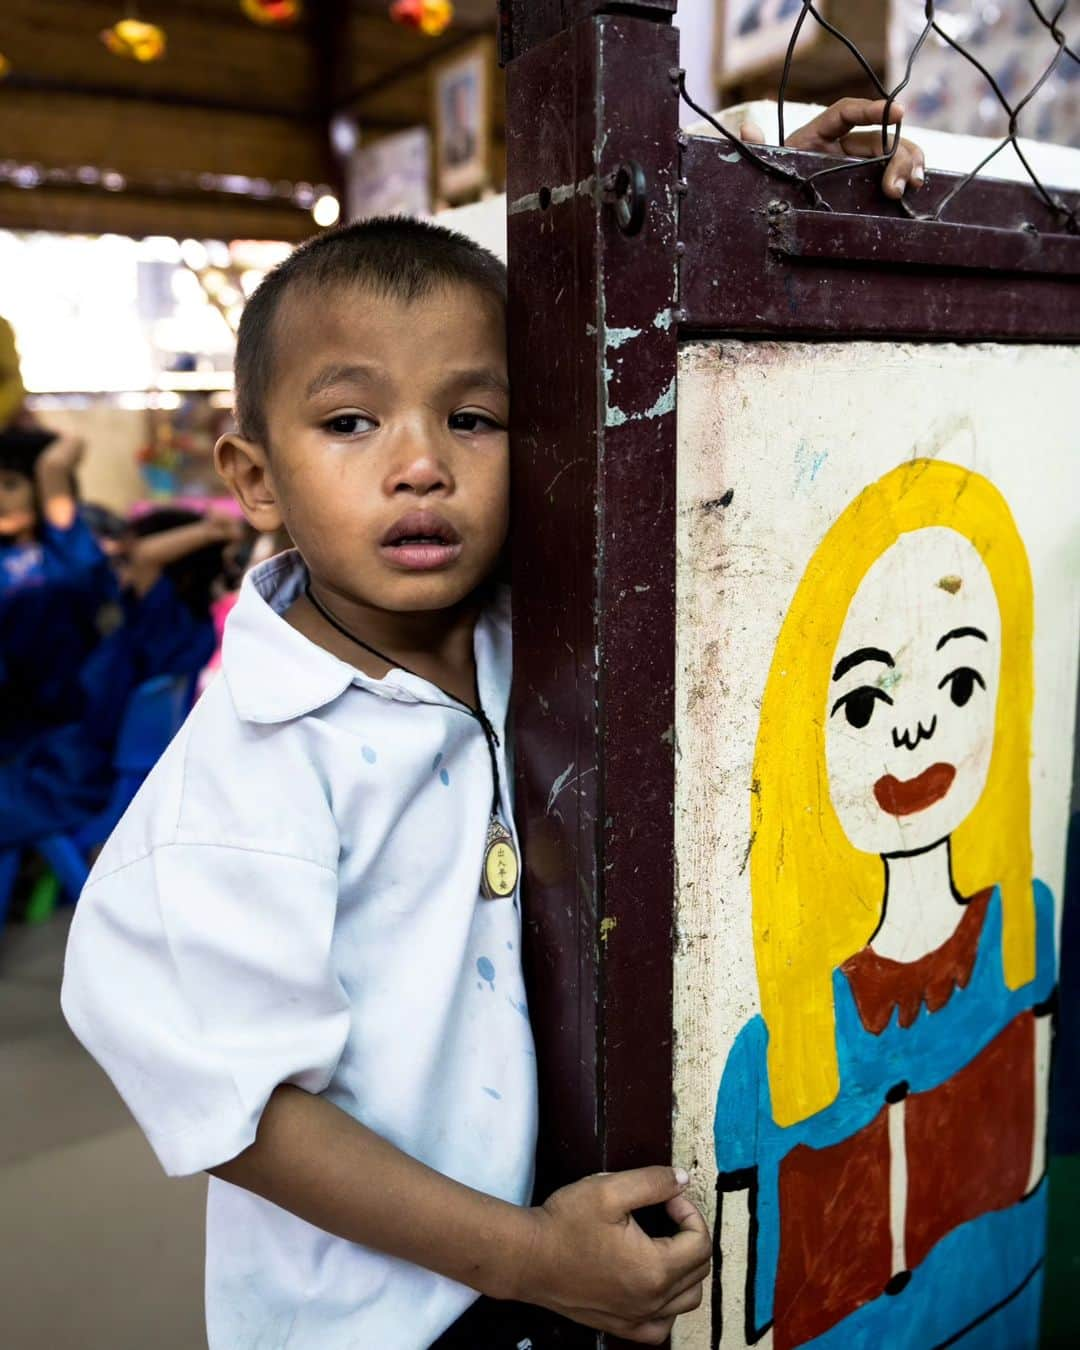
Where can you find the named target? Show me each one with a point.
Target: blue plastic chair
(154, 714)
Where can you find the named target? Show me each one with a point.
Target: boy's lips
(421, 541)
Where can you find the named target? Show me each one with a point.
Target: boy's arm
(581, 1254)
(55, 472)
(154, 552)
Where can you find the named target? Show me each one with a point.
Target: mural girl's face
(913, 693)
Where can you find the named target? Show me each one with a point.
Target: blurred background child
(54, 580)
(167, 568)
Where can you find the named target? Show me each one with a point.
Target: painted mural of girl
(885, 1114)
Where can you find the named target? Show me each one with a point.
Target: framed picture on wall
(754, 35)
(462, 91)
(391, 176)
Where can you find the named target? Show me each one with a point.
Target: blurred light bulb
(344, 134)
(194, 254)
(326, 210)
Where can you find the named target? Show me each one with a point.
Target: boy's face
(18, 512)
(388, 461)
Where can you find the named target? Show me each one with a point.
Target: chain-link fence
(1058, 51)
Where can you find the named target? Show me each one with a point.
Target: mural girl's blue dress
(962, 1059)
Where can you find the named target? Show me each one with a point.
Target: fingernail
(682, 1176)
(918, 177)
(901, 184)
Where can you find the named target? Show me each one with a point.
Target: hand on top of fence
(833, 132)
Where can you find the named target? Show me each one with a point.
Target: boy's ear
(245, 467)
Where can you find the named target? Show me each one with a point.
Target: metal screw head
(630, 194)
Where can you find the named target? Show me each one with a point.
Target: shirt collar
(275, 674)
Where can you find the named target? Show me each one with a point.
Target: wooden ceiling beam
(62, 130)
(161, 98)
(84, 212)
(396, 74)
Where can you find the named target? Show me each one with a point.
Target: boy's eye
(858, 706)
(471, 422)
(349, 424)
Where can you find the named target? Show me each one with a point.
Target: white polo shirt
(293, 897)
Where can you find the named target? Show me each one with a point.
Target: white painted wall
(696, 22)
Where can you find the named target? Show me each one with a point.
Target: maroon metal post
(592, 126)
(523, 24)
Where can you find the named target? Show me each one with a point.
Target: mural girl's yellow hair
(816, 899)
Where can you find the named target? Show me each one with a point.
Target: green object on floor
(1061, 1306)
(44, 898)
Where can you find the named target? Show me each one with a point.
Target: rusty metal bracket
(825, 237)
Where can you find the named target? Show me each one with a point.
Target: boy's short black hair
(19, 449)
(391, 255)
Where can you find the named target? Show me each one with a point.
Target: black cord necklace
(499, 875)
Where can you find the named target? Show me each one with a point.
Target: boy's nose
(422, 472)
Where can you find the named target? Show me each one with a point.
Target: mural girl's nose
(910, 739)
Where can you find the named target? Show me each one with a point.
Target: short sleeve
(200, 978)
(739, 1101)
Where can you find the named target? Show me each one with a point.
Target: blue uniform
(51, 593)
(65, 775)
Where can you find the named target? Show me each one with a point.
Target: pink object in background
(219, 611)
(226, 505)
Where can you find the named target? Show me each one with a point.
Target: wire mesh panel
(813, 181)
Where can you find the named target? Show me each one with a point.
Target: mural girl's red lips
(903, 797)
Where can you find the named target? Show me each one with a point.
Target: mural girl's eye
(962, 682)
(858, 706)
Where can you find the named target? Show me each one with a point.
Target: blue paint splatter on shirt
(492, 1093)
(444, 778)
(368, 754)
(487, 970)
(436, 761)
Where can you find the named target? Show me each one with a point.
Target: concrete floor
(100, 1250)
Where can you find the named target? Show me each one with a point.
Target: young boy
(298, 956)
(291, 957)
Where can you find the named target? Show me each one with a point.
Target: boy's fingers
(918, 166)
(685, 1302)
(682, 1210)
(643, 1186)
(750, 131)
(654, 1332)
(906, 170)
(848, 113)
(689, 1249)
(697, 1276)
